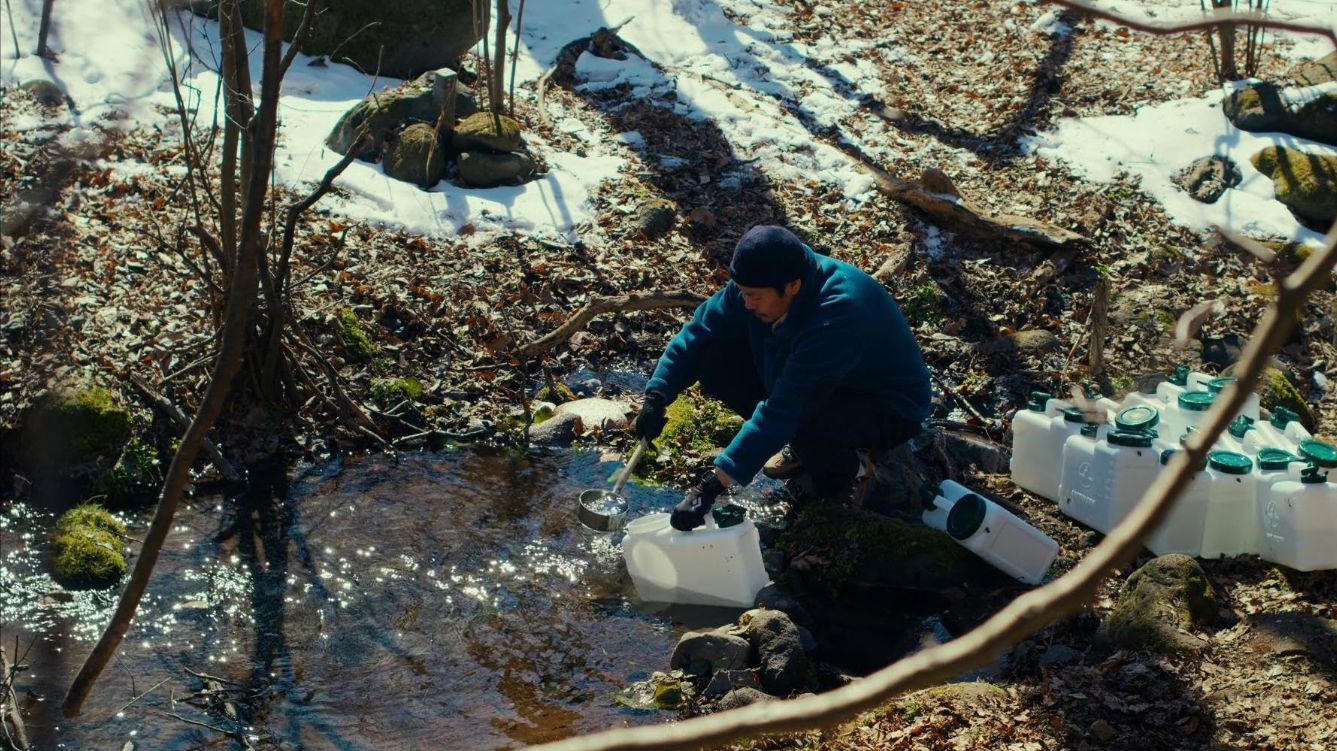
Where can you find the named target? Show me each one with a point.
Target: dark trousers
(836, 421)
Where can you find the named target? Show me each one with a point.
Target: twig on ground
(599, 305)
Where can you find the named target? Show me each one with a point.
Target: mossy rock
(483, 169)
(1306, 183)
(358, 346)
(858, 549)
(87, 548)
(654, 218)
(479, 132)
(388, 392)
(385, 112)
(416, 156)
(1158, 607)
(696, 427)
(1276, 390)
(1263, 108)
(397, 39)
(1315, 72)
(558, 393)
(73, 424)
(1292, 254)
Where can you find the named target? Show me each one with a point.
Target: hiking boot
(783, 465)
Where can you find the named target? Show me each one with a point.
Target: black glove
(650, 422)
(691, 512)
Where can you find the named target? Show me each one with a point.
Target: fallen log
(610, 304)
(936, 196)
(165, 405)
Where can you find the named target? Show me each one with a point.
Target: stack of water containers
(1264, 489)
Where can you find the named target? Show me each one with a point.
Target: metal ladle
(604, 510)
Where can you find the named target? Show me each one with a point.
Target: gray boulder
(416, 156)
(778, 648)
(606, 414)
(774, 597)
(558, 430)
(740, 697)
(725, 681)
(1264, 108)
(482, 169)
(382, 113)
(397, 39)
(478, 132)
(1160, 606)
(1025, 342)
(704, 652)
(1208, 178)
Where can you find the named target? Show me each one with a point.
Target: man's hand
(691, 512)
(650, 422)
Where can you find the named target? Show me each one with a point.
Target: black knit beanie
(768, 256)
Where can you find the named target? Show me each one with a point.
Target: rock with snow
(596, 412)
(1207, 178)
(44, 92)
(479, 132)
(1308, 112)
(1315, 72)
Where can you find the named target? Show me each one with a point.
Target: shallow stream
(444, 600)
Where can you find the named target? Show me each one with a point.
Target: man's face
(767, 303)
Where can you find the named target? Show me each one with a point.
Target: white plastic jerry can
(1169, 390)
(992, 532)
(1282, 431)
(1103, 480)
(1229, 527)
(712, 565)
(1187, 412)
(1035, 449)
(1250, 408)
(1299, 514)
(1233, 437)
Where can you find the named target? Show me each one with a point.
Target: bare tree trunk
(1099, 327)
(44, 29)
(515, 53)
(241, 297)
(1229, 71)
(497, 83)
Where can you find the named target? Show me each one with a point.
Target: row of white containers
(1264, 490)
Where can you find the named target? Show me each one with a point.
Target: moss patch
(697, 427)
(87, 548)
(479, 131)
(135, 475)
(1159, 605)
(1276, 390)
(846, 545)
(558, 393)
(358, 346)
(416, 157)
(1306, 183)
(388, 392)
(75, 424)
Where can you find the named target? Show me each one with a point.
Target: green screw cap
(1166, 454)
(1196, 401)
(1090, 430)
(1318, 452)
(1230, 462)
(1240, 425)
(1180, 375)
(1273, 459)
(729, 516)
(1038, 401)
(1073, 414)
(966, 516)
(1311, 476)
(1141, 417)
(1217, 385)
(1134, 438)
(1282, 416)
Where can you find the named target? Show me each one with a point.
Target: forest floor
(97, 283)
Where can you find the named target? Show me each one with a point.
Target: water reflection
(387, 602)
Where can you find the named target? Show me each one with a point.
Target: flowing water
(410, 602)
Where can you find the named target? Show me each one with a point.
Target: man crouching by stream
(811, 352)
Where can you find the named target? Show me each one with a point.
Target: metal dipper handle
(631, 465)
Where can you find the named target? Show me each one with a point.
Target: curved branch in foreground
(1023, 616)
(1209, 21)
(600, 305)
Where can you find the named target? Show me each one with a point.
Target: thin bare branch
(1209, 21)
(600, 305)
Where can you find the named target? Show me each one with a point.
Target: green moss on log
(87, 548)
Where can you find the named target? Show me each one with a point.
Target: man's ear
(792, 288)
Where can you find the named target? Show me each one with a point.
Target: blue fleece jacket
(843, 329)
